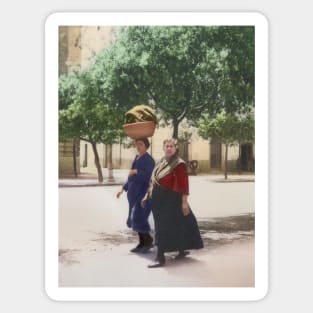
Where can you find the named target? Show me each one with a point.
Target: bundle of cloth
(140, 113)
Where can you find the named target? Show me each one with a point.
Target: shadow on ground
(215, 232)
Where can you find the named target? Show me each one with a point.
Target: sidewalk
(120, 176)
(91, 180)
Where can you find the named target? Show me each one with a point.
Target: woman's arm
(125, 186)
(144, 200)
(132, 172)
(182, 186)
(144, 168)
(185, 205)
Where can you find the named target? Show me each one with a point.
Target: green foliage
(158, 64)
(237, 83)
(99, 121)
(181, 71)
(88, 117)
(69, 120)
(227, 127)
(222, 127)
(246, 129)
(69, 123)
(68, 89)
(184, 71)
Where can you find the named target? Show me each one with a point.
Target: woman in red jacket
(176, 228)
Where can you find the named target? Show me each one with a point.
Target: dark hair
(145, 141)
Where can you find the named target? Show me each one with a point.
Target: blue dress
(137, 186)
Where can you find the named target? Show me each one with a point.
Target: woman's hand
(119, 193)
(144, 200)
(132, 172)
(185, 208)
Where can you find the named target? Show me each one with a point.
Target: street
(95, 242)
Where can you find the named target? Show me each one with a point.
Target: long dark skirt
(173, 230)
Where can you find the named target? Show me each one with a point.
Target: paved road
(94, 238)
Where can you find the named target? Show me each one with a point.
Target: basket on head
(140, 129)
(140, 121)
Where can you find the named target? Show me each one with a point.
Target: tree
(184, 71)
(97, 121)
(227, 128)
(154, 64)
(181, 71)
(246, 128)
(68, 89)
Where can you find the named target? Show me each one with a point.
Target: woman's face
(140, 147)
(169, 149)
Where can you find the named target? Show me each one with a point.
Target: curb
(63, 185)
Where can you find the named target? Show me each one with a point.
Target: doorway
(246, 158)
(215, 154)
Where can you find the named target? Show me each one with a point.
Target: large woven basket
(140, 129)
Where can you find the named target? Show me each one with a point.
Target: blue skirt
(138, 216)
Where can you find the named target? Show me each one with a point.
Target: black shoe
(136, 249)
(145, 249)
(158, 264)
(181, 255)
(160, 261)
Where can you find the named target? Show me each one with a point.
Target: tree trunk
(106, 156)
(74, 158)
(225, 165)
(97, 162)
(110, 165)
(175, 128)
(239, 162)
(120, 153)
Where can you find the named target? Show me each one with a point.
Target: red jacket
(177, 180)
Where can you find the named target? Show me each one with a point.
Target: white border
(51, 157)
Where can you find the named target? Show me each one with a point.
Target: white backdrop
(22, 165)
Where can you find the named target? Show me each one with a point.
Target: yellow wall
(199, 149)
(66, 164)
